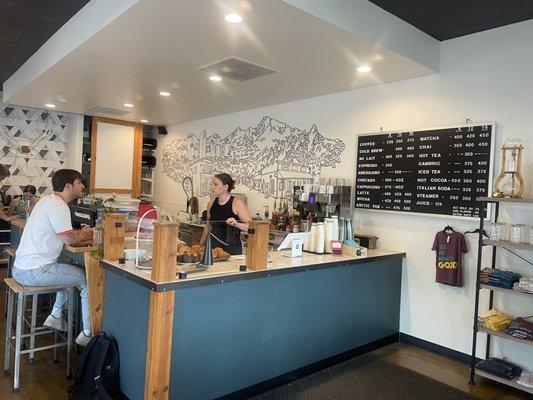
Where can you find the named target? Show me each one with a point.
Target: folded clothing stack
(521, 328)
(494, 320)
(526, 379)
(524, 285)
(498, 277)
(499, 367)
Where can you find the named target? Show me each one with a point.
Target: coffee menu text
(440, 171)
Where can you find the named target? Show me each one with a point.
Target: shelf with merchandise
(512, 382)
(496, 244)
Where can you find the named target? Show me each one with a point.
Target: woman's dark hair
(63, 176)
(226, 180)
(29, 189)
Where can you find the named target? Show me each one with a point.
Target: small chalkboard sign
(432, 171)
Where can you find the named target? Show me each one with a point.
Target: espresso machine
(322, 201)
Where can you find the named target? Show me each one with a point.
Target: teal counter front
(239, 333)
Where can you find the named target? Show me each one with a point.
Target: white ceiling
(155, 45)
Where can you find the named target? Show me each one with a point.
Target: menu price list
(440, 171)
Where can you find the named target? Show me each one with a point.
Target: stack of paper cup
(335, 223)
(328, 229)
(312, 238)
(320, 238)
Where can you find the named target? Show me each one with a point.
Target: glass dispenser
(510, 182)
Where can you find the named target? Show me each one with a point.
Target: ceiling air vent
(236, 68)
(99, 110)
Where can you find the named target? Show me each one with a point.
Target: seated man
(21, 205)
(48, 228)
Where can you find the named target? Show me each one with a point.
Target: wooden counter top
(227, 271)
(80, 249)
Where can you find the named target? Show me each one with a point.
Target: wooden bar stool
(22, 292)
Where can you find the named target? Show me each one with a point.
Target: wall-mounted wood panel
(116, 157)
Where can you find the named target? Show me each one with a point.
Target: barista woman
(227, 216)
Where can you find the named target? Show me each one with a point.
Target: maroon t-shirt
(450, 248)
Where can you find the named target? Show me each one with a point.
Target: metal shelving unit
(148, 172)
(500, 289)
(483, 201)
(505, 336)
(506, 243)
(496, 378)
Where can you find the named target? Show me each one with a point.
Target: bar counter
(231, 332)
(228, 271)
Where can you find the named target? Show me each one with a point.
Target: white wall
(75, 143)
(483, 77)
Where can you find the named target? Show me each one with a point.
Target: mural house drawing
(268, 158)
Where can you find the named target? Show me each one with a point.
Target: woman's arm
(241, 210)
(207, 228)
(12, 207)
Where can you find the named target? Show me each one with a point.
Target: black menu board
(435, 171)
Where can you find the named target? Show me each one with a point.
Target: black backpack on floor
(97, 377)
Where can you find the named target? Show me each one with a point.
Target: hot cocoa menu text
(440, 171)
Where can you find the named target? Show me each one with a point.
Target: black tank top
(227, 233)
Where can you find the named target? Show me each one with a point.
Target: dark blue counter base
(231, 337)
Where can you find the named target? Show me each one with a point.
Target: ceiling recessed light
(233, 18)
(50, 105)
(144, 121)
(364, 68)
(129, 105)
(164, 94)
(215, 78)
(62, 100)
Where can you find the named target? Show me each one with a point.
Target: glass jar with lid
(496, 231)
(517, 233)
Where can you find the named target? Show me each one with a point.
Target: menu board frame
(455, 129)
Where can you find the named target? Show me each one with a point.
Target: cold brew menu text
(438, 171)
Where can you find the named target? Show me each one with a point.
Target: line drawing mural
(268, 158)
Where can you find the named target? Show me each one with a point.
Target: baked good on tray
(195, 253)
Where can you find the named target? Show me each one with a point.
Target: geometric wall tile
(24, 126)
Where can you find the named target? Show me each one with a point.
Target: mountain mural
(256, 156)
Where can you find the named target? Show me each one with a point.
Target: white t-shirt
(40, 244)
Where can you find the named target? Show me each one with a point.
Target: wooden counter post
(161, 314)
(257, 245)
(114, 236)
(95, 275)
(113, 249)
